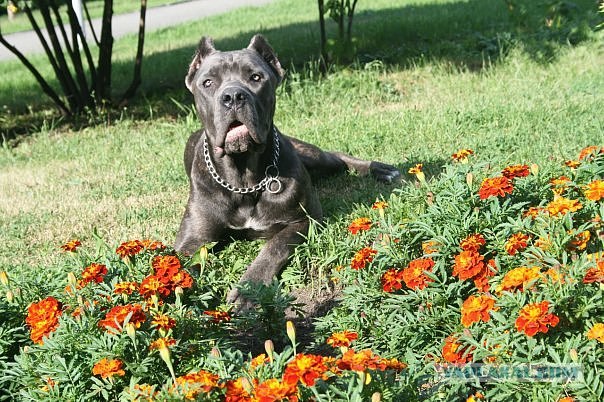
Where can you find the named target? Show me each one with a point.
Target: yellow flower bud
(4, 278)
(72, 281)
(469, 179)
(270, 349)
(10, 296)
(130, 330)
(376, 397)
(291, 331)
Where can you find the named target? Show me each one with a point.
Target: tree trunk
(323, 39)
(351, 10)
(103, 82)
(138, 62)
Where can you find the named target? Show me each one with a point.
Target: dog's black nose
(233, 97)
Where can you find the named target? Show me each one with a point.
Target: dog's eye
(256, 77)
(207, 83)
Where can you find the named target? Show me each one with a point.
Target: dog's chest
(250, 223)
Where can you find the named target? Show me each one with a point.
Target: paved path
(157, 17)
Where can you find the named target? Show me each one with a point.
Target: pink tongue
(235, 132)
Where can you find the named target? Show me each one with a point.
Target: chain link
(268, 183)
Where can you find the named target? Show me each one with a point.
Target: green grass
(95, 8)
(125, 179)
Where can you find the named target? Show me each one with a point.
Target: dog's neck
(245, 169)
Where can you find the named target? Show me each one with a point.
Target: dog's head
(235, 94)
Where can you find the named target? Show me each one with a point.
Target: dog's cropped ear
(204, 49)
(260, 45)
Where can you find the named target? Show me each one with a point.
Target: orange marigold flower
(393, 364)
(379, 205)
(477, 396)
(572, 164)
(533, 212)
(342, 339)
(50, 384)
(129, 248)
(562, 206)
(462, 155)
(93, 273)
(273, 390)
(594, 191)
(475, 309)
(468, 264)
(165, 266)
(418, 168)
(125, 288)
(519, 277)
(554, 275)
(43, 318)
(71, 246)
(167, 269)
(359, 224)
(145, 391)
(163, 321)
(218, 316)
(162, 343)
(559, 184)
(415, 274)
(517, 242)
(535, 317)
(498, 186)
(108, 368)
(579, 242)
(473, 242)
(595, 274)
(392, 280)
(115, 319)
(304, 368)
(567, 399)
(197, 382)
(182, 279)
(596, 332)
(430, 247)
(590, 152)
(454, 353)
(152, 285)
(152, 245)
(362, 258)
(514, 171)
(481, 280)
(236, 392)
(361, 361)
(259, 360)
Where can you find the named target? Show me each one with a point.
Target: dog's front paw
(383, 172)
(239, 302)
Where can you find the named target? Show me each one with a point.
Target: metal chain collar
(270, 183)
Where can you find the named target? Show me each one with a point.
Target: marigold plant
(535, 317)
(499, 186)
(108, 368)
(43, 318)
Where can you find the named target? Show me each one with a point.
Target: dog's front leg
(271, 259)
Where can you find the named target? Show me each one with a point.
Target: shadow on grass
(469, 34)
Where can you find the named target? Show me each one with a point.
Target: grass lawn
(433, 77)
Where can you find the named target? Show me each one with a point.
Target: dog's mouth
(235, 130)
(238, 139)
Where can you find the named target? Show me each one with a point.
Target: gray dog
(247, 179)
